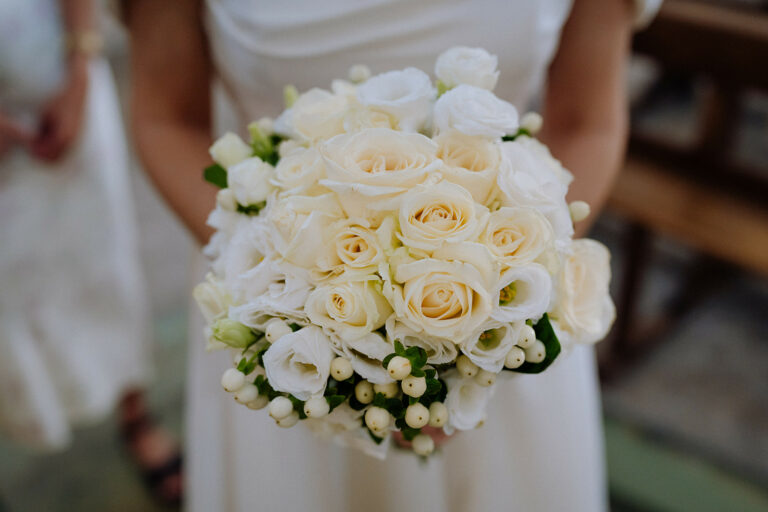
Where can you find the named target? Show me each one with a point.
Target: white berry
(288, 421)
(423, 444)
(377, 418)
(438, 414)
(531, 121)
(485, 378)
(399, 367)
(276, 329)
(389, 390)
(466, 367)
(226, 199)
(414, 386)
(579, 210)
(364, 392)
(515, 358)
(232, 380)
(536, 353)
(280, 407)
(416, 415)
(359, 73)
(246, 394)
(527, 337)
(316, 407)
(341, 368)
(260, 403)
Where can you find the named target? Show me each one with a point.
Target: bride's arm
(170, 104)
(585, 106)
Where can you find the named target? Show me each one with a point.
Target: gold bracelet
(88, 43)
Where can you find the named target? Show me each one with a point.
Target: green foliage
(298, 406)
(251, 209)
(520, 131)
(335, 400)
(546, 334)
(416, 355)
(216, 174)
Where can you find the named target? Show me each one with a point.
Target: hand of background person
(62, 117)
(11, 134)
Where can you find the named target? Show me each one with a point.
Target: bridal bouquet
(387, 249)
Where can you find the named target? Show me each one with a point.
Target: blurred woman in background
(73, 324)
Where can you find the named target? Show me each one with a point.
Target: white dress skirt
(72, 303)
(541, 446)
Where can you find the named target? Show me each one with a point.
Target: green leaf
(251, 209)
(520, 131)
(431, 373)
(412, 400)
(216, 174)
(335, 400)
(355, 404)
(546, 334)
(376, 439)
(416, 372)
(298, 406)
(387, 359)
(399, 348)
(294, 326)
(433, 387)
(379, 400)
(409, 433)
(395, 407)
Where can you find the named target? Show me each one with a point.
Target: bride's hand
(437, 435)
(11, 134)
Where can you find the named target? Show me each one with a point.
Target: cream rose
(250, 181)
(471, 66)
(316, 115)
(467, 402)
(432, 215)
(366, 355)
(349, 310)
(472, 162)
(489, 346)
(517, 236)
(371, 166)
(474, 111)
(351, 248)
(299, 363)
(439, 350)
(406, 95)
(584, 309)
(523, 293)
(229, 149)
(299, 171)
(359, 118)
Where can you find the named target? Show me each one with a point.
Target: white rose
(351, 248)
(472, 162)
(474, 111)
(366, 355)
(584, 309)
(471, 66)
(359, 118)
(377, 164)
(250, 181)
(243, 250)
(562, 174)
(517, 236)
(213, 298)
(489, 346)
(466, 401)
(229, 149)
(406, 95)
(350, 310)
(432, 215)
(522, 293)
(439, 350)
(525, 179)
(299, 363)
(299, 171)
(298, 223)
(316, 115)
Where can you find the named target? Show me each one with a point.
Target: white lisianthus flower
(522, 293)
(525, 179)
(299, 363)
(299, 171)
(366, 355)
(297, 225)
(474, 111)
(351, 249)
(316, 115)
(349, 310)
(212, 298)
(439, 350)
(517, 236)
(250, 181)
(489, 346)
(467, 402)
(342, 426)
(433, 215)
(584, 309)
(377, 164)
(406, 95)
(471, 66)
(542, 152)
(229, 149)
(243, 250)
(472, 162)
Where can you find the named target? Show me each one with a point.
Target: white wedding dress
(541, 447)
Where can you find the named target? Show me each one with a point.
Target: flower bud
(226, 199)
(364, 392)
(261, 402)
(359, 73)
(414, 386)
(527, 337)
(399, 367)
(536, 353)
(515, 358)
(316, 407)
(438, 414)
(466, 367)
(341, 368)
(288, 421)
(246, 394)
(232, 333)
(423, 444)
(229, 149)
(280, 407)
(377, 418)
(275, 329)
(485, 378)
(389, 390)
(531, 121)
(579, 210)
(232, 380)
(416, 415)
